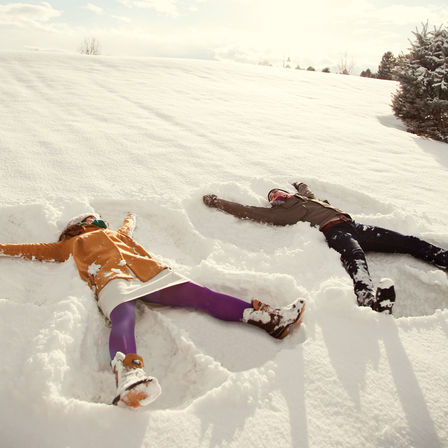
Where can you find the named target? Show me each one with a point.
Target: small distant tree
(345, 66)
(367, 74)
(298, 67)
(422, 98)
(90, 45)
(326, 70)
(387, 66)
(311, 69)
(287, 64)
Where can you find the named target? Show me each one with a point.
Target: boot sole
(138, 394)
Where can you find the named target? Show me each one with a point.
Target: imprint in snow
(93, 269)
(122, 263)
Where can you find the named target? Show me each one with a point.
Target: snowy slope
(151, 136)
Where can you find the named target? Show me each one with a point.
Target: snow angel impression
(119, 271)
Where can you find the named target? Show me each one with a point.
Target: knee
(358, 253)
(123, 314)
(352, 253)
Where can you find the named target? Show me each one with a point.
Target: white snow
(151, 136)
(93, 269)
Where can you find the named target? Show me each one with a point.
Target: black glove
(296, 185)
(210, 200)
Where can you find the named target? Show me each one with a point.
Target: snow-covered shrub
(422, 99)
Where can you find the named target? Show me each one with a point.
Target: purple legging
(187, 294)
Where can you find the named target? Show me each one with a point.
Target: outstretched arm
(39, 251)
(303, 190)
(277, 216)
(129, 225)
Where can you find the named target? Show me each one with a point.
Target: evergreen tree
(387, 66)
(422, 98)
(367, 74)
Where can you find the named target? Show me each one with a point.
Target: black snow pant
(352, 240)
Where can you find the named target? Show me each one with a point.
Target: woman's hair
(80, 218)
(74, 226)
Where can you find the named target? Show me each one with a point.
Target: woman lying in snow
(119, 271)
(343, 234)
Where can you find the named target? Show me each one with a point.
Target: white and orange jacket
(101, 255)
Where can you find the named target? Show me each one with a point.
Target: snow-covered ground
(113, 135)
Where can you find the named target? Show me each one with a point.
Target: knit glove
(211, 200)
(296, 185)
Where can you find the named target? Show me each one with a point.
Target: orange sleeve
(39, 251)
(128, 226)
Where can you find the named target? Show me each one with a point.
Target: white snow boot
(278, 322)
(134, 387)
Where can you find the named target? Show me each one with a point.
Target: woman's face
(88, 219)
(274, 194)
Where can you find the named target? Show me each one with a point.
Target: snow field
(151, 136)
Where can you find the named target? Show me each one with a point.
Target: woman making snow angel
(342, 234)
(119, 271)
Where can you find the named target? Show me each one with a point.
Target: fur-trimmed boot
(134, 387)
(278, 322)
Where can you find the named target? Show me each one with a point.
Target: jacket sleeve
(304, 190)
(129, 225)
(276, 215)
(39, 251)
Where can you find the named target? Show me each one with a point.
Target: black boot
(385, 296)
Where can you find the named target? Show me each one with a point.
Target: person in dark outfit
(342, 234)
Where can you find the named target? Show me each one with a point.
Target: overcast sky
(313, 32)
